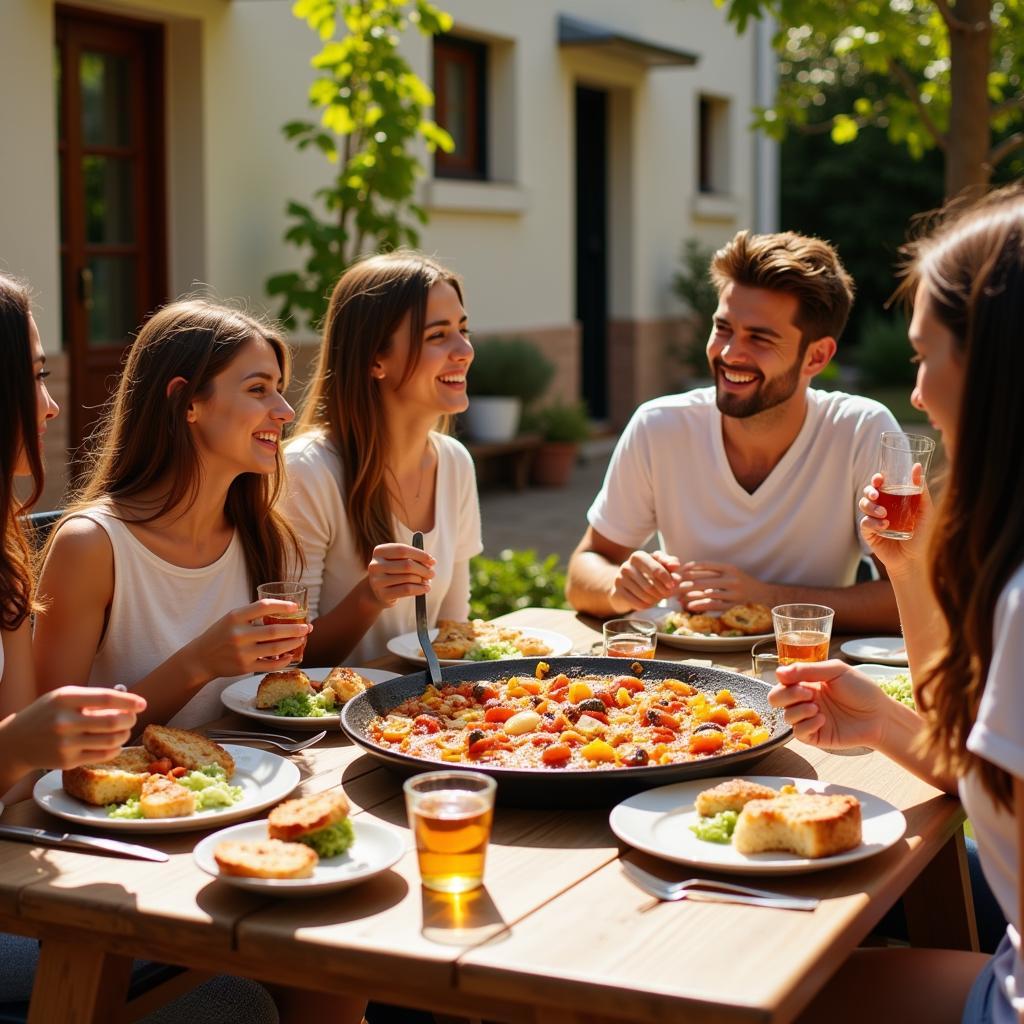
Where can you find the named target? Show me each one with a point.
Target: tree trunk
(969, 135)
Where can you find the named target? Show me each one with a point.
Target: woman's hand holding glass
(899, 557)
(830, 704)
(239, 643)
(398, 570)
(71, 726)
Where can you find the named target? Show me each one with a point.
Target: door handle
(85, 287)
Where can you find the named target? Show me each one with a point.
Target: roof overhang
(580, 34)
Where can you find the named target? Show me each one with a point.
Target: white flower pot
(493, 418)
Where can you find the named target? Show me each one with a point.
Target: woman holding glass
(150, 576)
(371, 463)
(959, 583)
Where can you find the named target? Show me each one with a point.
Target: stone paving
(547, 519)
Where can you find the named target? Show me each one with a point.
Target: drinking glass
(450, 814)
(764, 657)
(286, 591)
(802, 631)
(630, 638)
(900, 494)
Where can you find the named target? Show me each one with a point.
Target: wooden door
(109, 75)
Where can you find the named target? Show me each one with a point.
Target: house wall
(239, 69)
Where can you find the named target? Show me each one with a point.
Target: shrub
(883, 355)
(514, 367)
(560, 421)
(692, 284)
(513, 580)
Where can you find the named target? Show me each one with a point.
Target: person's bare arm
(17, 685)
(76, 589)
(606, 578)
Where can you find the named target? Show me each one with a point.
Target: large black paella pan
(566, 786)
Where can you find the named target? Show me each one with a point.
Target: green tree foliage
(692, 284)
(932, 73)
(371, 108)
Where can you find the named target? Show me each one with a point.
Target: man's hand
(644, 579)
(717, 586)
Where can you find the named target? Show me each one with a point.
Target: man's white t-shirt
(998, 736)
(315, 506)
(670, 475)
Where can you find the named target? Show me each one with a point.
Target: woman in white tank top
(150, 576)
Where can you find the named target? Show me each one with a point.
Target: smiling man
(751, 485)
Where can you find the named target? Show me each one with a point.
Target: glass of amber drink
(630, 638)
(450, 814)
(802, 632)
(285, 591)
(900, 493)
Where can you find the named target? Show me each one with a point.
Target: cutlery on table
(713, 891)
(272, 739)
(421, 626)
(72, 841)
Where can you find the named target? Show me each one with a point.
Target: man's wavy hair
(807, 268)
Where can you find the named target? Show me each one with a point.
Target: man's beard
(767, 395)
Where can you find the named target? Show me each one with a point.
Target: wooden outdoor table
(556, 936)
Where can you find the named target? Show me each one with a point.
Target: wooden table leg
(939, 905)
(78, 984)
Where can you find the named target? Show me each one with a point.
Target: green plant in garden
(371, 108)
(883, 355)
(513, 367)
(513, 580)
(564, 422)
(692, 284)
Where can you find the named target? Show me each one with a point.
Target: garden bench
(505, 460)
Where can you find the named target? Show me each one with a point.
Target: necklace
(424, 462)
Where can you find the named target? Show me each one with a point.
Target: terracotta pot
(553, 463)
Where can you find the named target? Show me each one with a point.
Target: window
(713, 146)
(460, 98)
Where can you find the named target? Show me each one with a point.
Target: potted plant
(563, 425)
(506, 375)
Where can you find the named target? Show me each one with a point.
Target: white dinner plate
(658, 822)
(375, 849)
(408, 646)
(885, 650)
(265, 779)
(240, 696)
(722, 644)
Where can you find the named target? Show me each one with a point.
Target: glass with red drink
(285, 591)
(900, 493)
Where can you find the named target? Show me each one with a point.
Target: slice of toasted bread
(267, 858)
(807, 824)
(731, 796)
(346, 683)
(275, 686)
(295, 818)
(186, 749)
(164, 798)
(110, 782)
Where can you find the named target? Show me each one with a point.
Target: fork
(270, 738)
(713, 891)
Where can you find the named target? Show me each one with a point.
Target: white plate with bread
(755, 620)
(461, 636)
(813, 817)
(83, 794)
(297, 851)
(247, 694)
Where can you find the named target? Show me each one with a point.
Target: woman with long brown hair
(371, 464)
(959, 583)
(149, 577)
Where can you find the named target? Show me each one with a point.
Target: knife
(70, 839)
